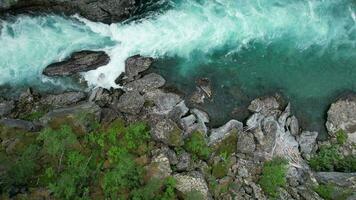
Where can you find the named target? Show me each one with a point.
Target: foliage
(331, 192)
(341, 137)
(330, 159)
(273, 176)
(197, 145)
(34, 116)
(156, 189)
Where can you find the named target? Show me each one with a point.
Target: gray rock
(205, 85)
(171, 155)
(307, 141)
(201, 115)
(341, 116)
(246, 143)
(20, 124)
(264, 105)
(338, 178)
(149, 82)
(178, 111)
(63, 99)
(159, 167)
(135, 65)
(100, 96)
(81, 61)
(188, 123)
(188, 183)
(184, 162)
(293, 125)
(6, 107)
(108, 115)
(164, 102)
(131, 102)
(224, 131)
(167, 131)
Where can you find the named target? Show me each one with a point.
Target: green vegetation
(330, 159)
(197, 146)
(341, 137)
(331, 192)
(102, 164)
(34, 116)
(273, 176)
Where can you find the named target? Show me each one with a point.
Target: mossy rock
(228, 145)
(220, 170)
(175, 138)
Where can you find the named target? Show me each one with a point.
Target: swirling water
(304, 49)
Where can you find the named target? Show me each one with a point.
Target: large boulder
(342, 116)
(307, 142)
(64, 99)
(192, 183)
(219, 134)
(134, 65)
(106, 11)
(149, 82)
(163, 102)
(81, 61)
(131, 102)
(166, 131)
(337, 178)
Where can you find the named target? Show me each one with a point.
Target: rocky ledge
(267, 157)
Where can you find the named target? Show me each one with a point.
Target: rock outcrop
(81, 61)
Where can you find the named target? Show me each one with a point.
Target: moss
(193, 195)
(176, 138)
(34, 116)
(331, 192)
(273, 176)
(196, 145)
(228, 146)
(341, 137)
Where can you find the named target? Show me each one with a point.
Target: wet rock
(131, 102)
(246, 143)
(20, 124)
(203, 91)
(167, 131)
(149, 82)
(205, 85)
(338, 178)
(133, 67)
(6, 107)
(224, 131)
(81, 61)
(307, 141)
(184, 162)
(190, 183)
(106, 11)
(101, 96)
(264, 105)
(63, 99)
(341, 116)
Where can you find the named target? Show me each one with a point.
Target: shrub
(197, 145)
(273, 176)
(341, 137)
(330, 159)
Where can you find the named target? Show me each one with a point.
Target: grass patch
(331, 192)
(197, 146)
(273, 176)
(341, 137)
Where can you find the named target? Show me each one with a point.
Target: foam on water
(28, 44)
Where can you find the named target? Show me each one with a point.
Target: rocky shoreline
(238, 151)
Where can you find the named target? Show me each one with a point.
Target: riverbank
(231, 161)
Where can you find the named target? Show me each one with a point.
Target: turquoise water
(304, 49)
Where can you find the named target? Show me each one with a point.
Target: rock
(189, 183)
(81, 61)
(178, 111)
(341, 116)
(201, 115)
(20, 124)
(100, 96)
(159, 168)
(264, 105)
(149, 82)
(171, 155)
(246, 143)
(131, 102)
(106, 11)
(340, 179)
(72, 112)
(307, 141)
(224, 131)
(108, 115)
(184, 162)
(134, 65)
(164, 102)
(188, 123)
(293, 125)
(167, 131)
(63, 99)
(205, 86)
(6, 107)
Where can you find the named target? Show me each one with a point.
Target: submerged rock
(342, 116)
(81, 61)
